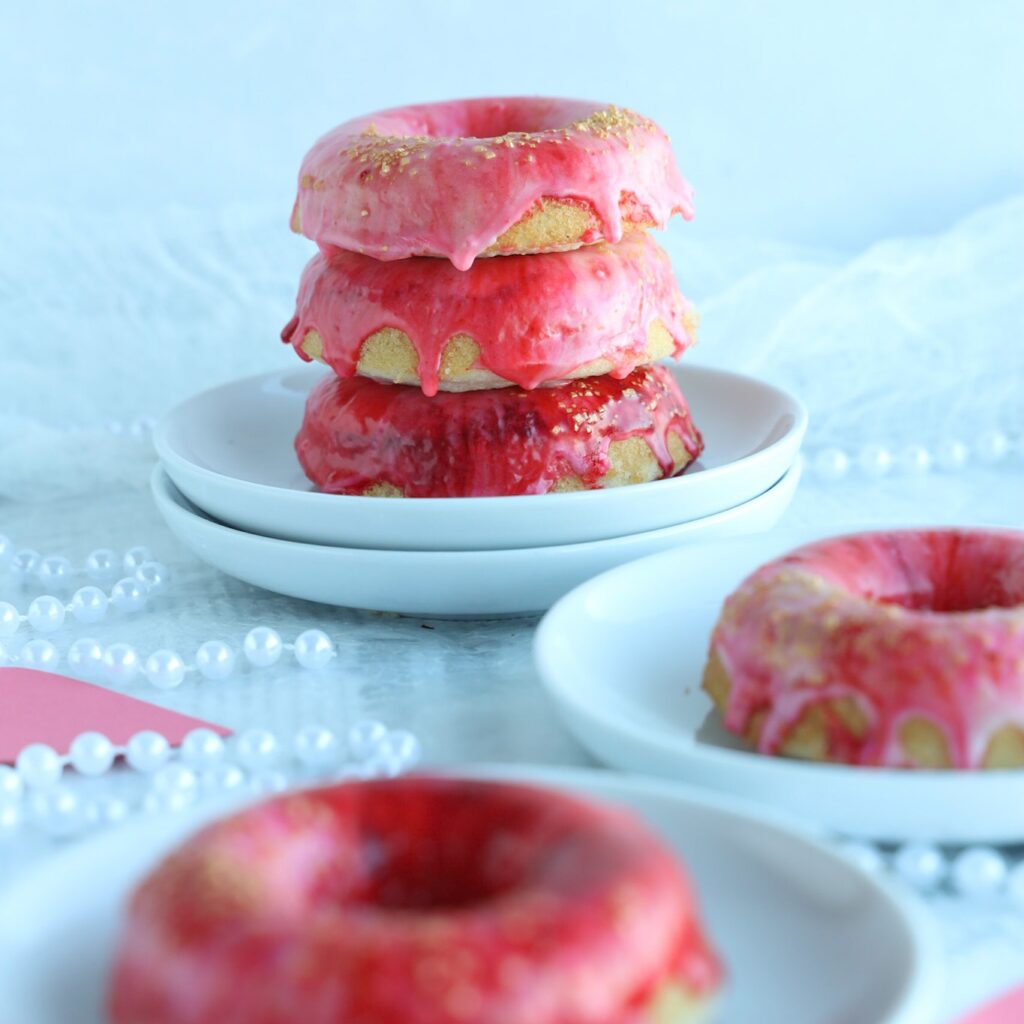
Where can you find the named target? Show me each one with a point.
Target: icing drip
(358, 433)
(535, 319)
(921, 631)
(447, 179)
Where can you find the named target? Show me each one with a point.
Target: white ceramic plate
(806, 937)
(440, 583)
(229, 451)
(622, 656)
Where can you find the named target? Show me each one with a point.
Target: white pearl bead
(39, 766)
(202, 748)
(11, 785)
(316, 746)
(91, 753)
(267, 783)
(1015, 884)
(55, 569)
(922, 865)
(313, 648)
(992, 447)
(89, 605)
(914, 459)
(85, 658)
(215, 660)
(874, 460)
(165, 670)
(222, 778)
(58, 811)
(120, 664)
(256, 748)
(39, 654)
(46, 614)
(978, 871)
(101, 565)
(952, 455)
(128, 595)
(136, 556)
(108, 810)
(175, 778)
(262, 646)
(10, 619)
(402, 746)
(364, 739)
(141, 427)
(831, 464)
(147, 751)
(6, 549)
(10, 819)
(864, 855)
(153, 576)
(25, 563)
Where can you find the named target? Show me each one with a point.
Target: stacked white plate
(231, 488)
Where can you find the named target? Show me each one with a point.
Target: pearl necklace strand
(51, 792)
(40, 791)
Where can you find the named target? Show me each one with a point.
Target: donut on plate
(525, 320)
(476, 177)
(902, 649)
(416, 901)
(362, 437)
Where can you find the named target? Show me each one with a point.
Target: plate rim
(161, 483)
(919, 993)
(176, 460)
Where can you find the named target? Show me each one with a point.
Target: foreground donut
(416, 901)
(485, 177)
(903, 649)
(362, 437)
(526, 320)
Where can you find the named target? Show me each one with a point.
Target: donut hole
(451, 849)
(942, 571)
(484, 118)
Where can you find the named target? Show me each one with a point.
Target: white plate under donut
(805, 936)
(441, 583)
(622, 658)
(229, 451)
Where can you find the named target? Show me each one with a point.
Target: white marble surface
(466, 688)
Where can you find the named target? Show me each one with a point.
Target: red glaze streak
(446, 179)
(504, 441)
(413, 901)
(536, 319)
(910, 624)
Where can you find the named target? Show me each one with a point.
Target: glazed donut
(526, 320)
(488, 177)
(416, 901)
(903, 649)
(362, 437)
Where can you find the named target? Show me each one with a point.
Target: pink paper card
(42, 707)
(1007, 1009)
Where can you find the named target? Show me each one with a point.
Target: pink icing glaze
(536, 319)
(910, 624)
(446, 179)
(359, 432)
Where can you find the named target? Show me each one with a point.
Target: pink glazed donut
(486, 177)
(903, 649)
(525, 320)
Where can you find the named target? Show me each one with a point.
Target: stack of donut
(457, 374)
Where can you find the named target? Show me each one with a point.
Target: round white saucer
(440, 583)
(804, 935)
(622, 657)
(229, 451)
